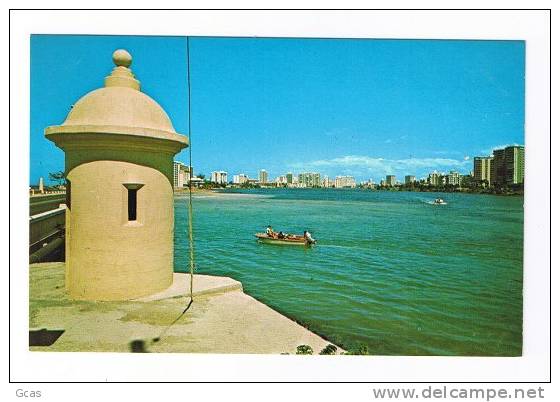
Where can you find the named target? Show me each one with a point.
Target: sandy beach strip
(205, 193)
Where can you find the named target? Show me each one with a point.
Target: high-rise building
(218, 177)
(483, 168)
(498, 174)
(176, 173)
(453, 178)
(344, 182)
(240, 178)
(316, 180)
(289, 177)
(281, 181)
(508, 166)
(294, 181)
(515, 165)
(263, 176)
(326, 182)
(181, 174)
(391, 180)
(409, 179)
(309, 179)
(435, 179)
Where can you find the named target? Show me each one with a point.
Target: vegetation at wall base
(330, 349)
(304, 350)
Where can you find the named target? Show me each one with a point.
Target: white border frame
(531, 26)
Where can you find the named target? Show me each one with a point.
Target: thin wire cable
(191, 237)
(190, 211)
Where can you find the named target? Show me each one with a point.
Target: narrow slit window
(132, 203)
(132, 200)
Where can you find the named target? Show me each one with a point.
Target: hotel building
(344, 182)
(281, 181)
(309, 180)
(289, 177)
(409, 179)
(483, 168)
(263, 176)
(218, 177)
(240, 178)
(435, 179)
(453, 178)
(508, 166)
(181, 174)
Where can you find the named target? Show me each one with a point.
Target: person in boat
(269, 231)
(281, 235)
(307, 237)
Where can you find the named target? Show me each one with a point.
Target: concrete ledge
(222, 319)
(202, 285)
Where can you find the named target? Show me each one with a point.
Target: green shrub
(358, 350)
(330, 349)
(304, 350)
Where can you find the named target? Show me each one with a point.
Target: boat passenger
(269, 231)
(307, 237)
(281, 235)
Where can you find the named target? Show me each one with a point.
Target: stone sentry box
(119, 146)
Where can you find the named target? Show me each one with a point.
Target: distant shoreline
(196, 192)
(214, 193)
(228, 190)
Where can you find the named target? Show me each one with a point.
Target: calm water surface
(390, 271)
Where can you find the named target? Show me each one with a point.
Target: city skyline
(366, 108)
(474, 163)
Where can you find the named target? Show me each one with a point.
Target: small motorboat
(285, 239)
(439, 201)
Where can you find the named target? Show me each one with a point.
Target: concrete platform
(202, 285)
(222, 319)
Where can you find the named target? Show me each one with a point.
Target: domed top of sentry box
(118, 108)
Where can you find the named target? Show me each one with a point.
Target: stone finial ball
(122, 58)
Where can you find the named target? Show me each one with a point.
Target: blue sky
(362, 107)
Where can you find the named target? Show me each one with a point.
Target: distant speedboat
(439, 201)
(288, 239)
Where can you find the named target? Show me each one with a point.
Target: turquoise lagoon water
(390, 271)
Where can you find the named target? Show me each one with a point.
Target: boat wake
(432, 202)
(319, 245)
